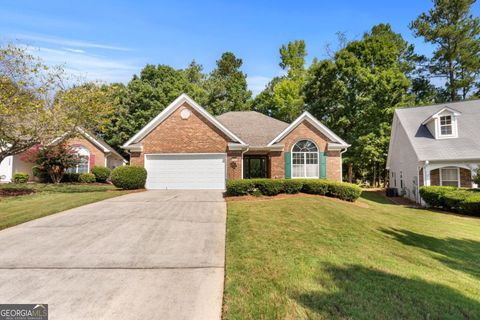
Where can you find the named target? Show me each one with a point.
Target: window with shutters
(305, 160)
(84, 165)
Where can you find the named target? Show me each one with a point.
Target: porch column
(426, 174)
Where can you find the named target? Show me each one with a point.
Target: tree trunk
(451, 79)
(374, 175)
(350, 172)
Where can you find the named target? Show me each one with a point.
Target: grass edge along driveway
(50, 199)
(315, 258)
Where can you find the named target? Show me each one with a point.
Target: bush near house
(465, 201)
(86, 178)
(129, 177)
(271, 187)
(71, 177)
(101, 173)
(20, 177)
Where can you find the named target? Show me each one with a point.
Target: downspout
(246, 150)
(341, 163)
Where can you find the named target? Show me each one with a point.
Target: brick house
(93, 151)
(185, 147)
(436, 145)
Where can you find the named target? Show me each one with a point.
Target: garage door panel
(186, 171)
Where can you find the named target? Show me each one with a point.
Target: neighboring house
(185, 147)
(93, 151)
(435, 145)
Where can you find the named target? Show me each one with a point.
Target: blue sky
(112, 40)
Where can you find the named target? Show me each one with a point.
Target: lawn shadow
(459, 254)
(357, 292)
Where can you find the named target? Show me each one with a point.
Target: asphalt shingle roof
(466, 146)
(254, 128)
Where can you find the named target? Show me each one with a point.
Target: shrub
(433, 195)
(471, 205)
(240, 187)
(86, 178)
(101, 173)
(71, 177)
(129, 177)
(292, 186)
(20, 177)
(454, 199)
(40, 174)
(344, 191)
(314, 186)
(269, 187)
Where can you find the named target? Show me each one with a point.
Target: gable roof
(100, 143)
(465, 146)
(437, 114)
(253, 127)
(169, 110)
(306, 116)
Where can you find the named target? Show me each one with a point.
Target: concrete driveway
(149, 255)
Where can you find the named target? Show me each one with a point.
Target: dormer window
(446, 125)
(443, 124)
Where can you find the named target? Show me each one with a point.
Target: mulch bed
(15, 192)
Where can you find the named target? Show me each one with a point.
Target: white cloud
(87, 66)
(74, 50)
(257, 83)
(68, 42)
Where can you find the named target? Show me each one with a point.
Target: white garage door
(186, 171)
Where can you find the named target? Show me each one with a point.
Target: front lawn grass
(49, 199)
(315, 258)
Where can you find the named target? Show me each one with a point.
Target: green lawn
(50, 199)
(316, 258)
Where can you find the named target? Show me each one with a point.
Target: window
(305, 160)
(449, 177)
(84, 165)
(394, 179)
(446, 126)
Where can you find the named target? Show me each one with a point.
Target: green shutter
(288, 166)
(323, 165)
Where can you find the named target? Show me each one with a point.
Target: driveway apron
(148, 255)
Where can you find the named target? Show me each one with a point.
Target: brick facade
(193, 135)
(306, 131)
(93, 149)
(198, 135)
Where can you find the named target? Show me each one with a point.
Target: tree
(35, 105)
(283, 97)
(356, 92)
(146, 95)
(455, 32)
(53, 159)
(227, 86)
(24, 85)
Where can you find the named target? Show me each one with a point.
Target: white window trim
(88, 162)
(458, 176)
(438, 126)
(305, 160)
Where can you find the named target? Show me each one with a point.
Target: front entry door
(255, 167)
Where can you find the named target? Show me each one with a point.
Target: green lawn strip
(16, 210)
(311, 257)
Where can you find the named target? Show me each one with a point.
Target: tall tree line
(354, 92)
